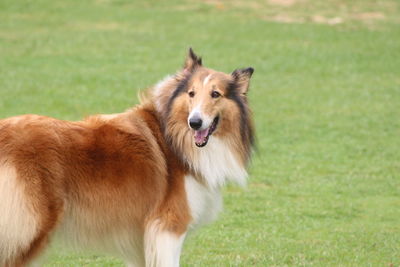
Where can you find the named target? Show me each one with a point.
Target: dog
(131, 184)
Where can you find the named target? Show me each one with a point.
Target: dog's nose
(195, 123)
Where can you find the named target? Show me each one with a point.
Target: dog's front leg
(162, 247)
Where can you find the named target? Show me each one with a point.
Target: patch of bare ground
(369, 16)
(324, 20)
(283, 2)
(329, 12)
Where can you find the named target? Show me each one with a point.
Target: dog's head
(198, 102)
(213, 97)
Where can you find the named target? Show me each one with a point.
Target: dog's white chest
(204, 204)
(217, 165)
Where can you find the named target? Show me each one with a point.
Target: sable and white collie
(131, 184)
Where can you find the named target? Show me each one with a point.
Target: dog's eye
(191, 94)
(215, 94)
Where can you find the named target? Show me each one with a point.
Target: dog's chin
(201, 137)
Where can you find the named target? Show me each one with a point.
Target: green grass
(325, 183)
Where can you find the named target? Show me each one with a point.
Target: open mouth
(201, 137)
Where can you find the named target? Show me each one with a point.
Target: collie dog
(131, 184)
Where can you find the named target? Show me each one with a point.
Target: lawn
(324, 186)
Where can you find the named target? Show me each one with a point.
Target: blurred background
(324, 186)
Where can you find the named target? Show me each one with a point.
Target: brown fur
(114, 171)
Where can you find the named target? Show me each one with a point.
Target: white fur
(162, 248)
(18, 225)
(204, 203)
(218, 164)
(207, 79)
(159, 90)
(109, 116)
(159, 87)
(197, 112)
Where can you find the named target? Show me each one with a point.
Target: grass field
(324, 186)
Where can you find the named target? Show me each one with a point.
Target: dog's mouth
(201, 137)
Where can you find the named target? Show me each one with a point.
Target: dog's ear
(241, 78)
(192, 61)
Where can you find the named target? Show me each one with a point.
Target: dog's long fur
(131, 184)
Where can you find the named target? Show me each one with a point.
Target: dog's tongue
(200, 136)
